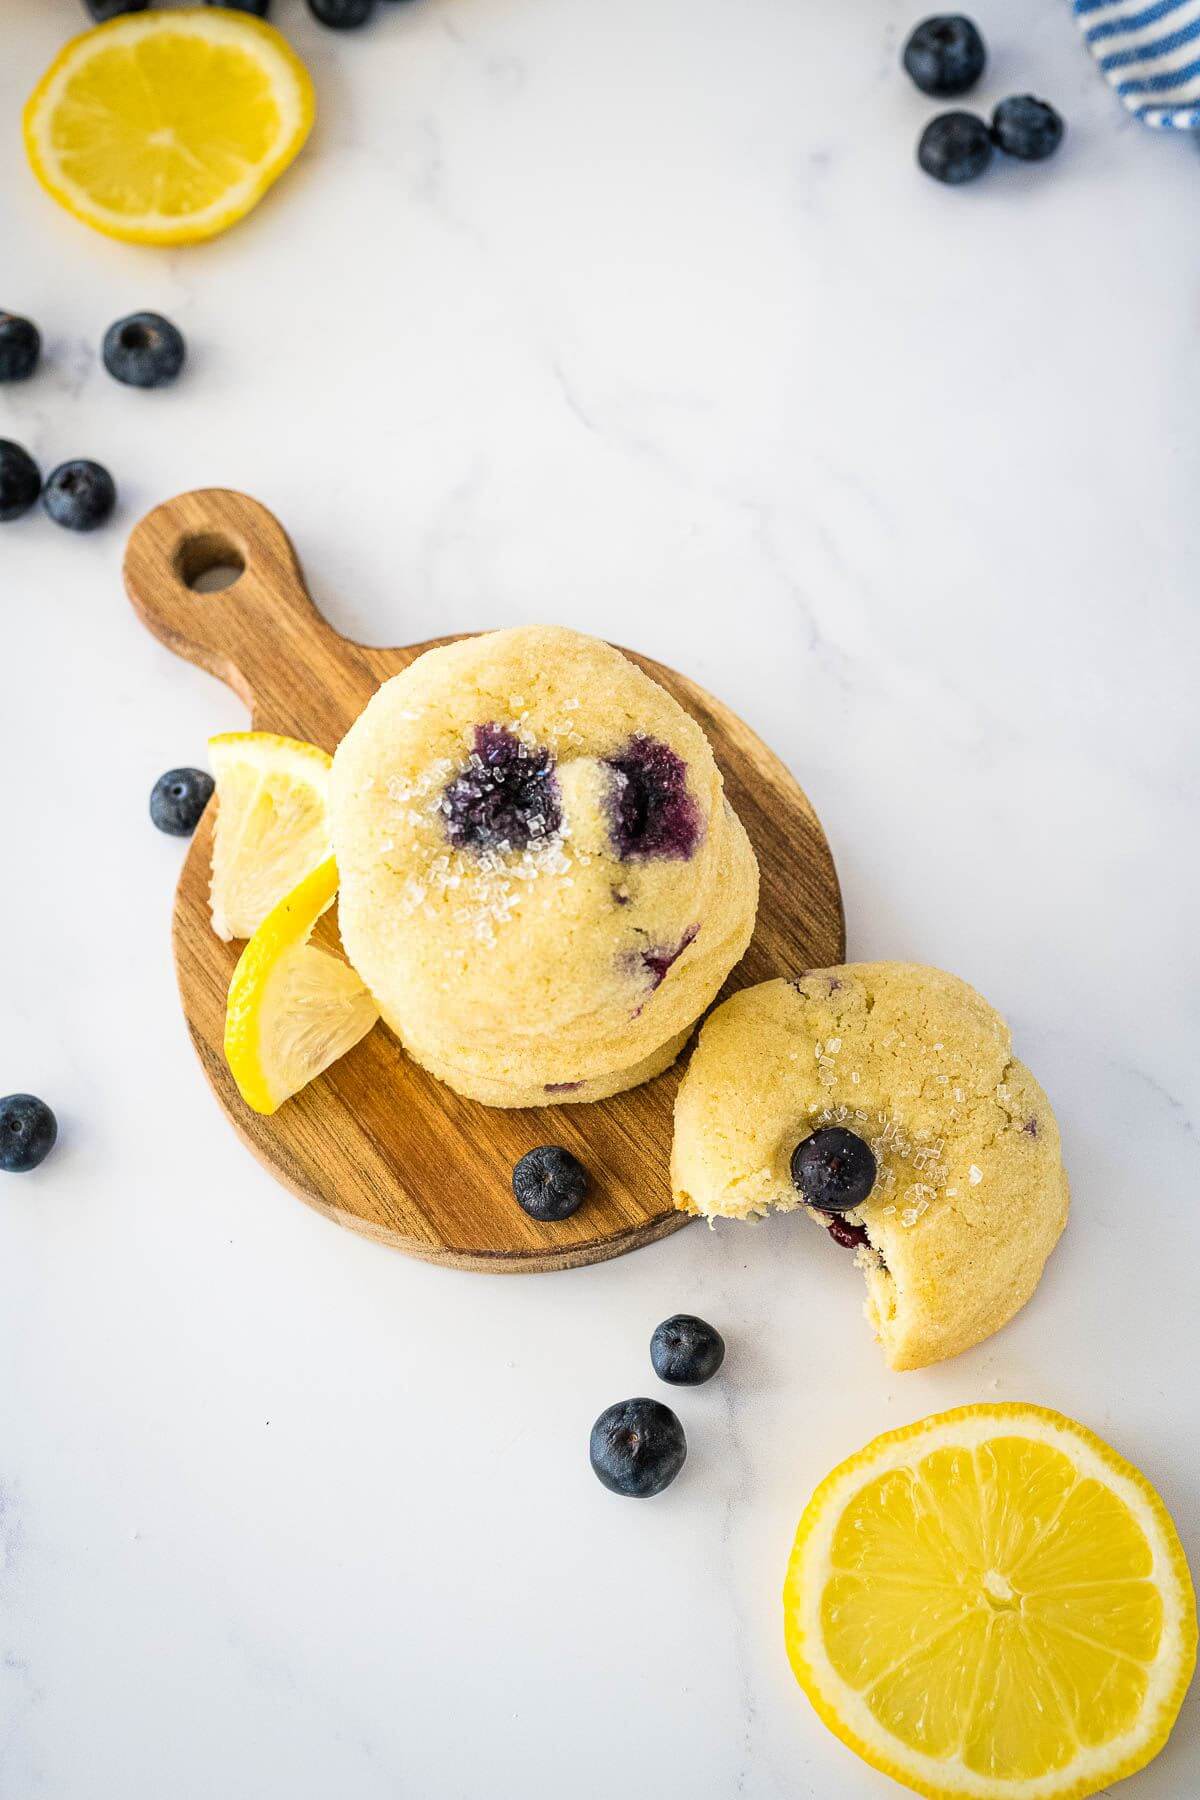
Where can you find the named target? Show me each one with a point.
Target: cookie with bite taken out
(884, 1099)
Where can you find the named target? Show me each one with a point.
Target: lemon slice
(167, 127)
(292, 1009)
(271, 824)
(991, 1603)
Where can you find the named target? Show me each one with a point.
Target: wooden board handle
(261, 634)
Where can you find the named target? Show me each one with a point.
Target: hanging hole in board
(209, 563)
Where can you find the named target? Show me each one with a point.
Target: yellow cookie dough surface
(512, 971)
(507, 1090)
(970, 1195)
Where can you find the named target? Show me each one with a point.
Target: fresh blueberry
(341, 14)
(550, 1183)
(259, 8)
(651, 812)
(1027, 128)
(79, 495)
(145, 350)
(955, 147)
(20, 480)
(686, 1351)
(178, 799)
(112, 9)
(27, 1132)
(833, 1169)
(945, 55)
(506, 798)
(637, 1448)
(20, 347)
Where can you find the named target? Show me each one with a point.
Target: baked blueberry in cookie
(850, 1237)
(885, 1100)
(506, 796)
(653, 814)
(833, 1169)
(659, 963)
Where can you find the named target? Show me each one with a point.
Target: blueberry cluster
(945, 56)
(146, 351)
(340, 15)
(638, 1447)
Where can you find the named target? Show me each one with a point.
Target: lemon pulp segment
(271, 824)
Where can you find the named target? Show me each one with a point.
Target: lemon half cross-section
(166, 127)
(271, 824)
(293, 1009)
(992, 1604)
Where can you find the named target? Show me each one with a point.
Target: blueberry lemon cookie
(542, 882)
(885, 1099)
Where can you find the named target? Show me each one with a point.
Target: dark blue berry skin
(145, 350)
(1027, 128)
(27, 1132)
(637, 1448)
(955, 147)
(945, 55)
(343, 15)
(112, 9)
(686, 1350)
(550, 1183)
(178, 800)
(79, 495)
(651, 813)
(833, 1169)
(20, 480)
(20, 347)
(507, 797)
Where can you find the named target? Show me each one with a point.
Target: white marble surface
(634, 315)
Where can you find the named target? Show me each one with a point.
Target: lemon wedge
(992, 1604)
(167, 127)
(292, 1009)
(271, 824)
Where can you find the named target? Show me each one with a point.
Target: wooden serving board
(376, 1143)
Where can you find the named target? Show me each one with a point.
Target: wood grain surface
(376, 1143)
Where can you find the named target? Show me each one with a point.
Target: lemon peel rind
(968, 1426)
(292, 86)
(308, 757)
(287, 926)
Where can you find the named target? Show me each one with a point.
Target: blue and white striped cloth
(1150, 52)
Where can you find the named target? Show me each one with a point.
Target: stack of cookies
(542, 882)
